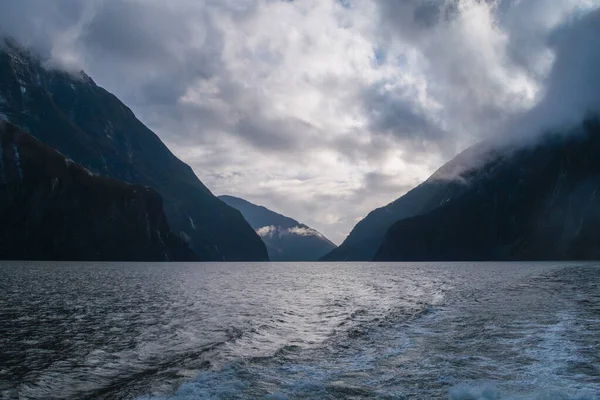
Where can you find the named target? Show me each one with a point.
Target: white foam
(489, 392)
(209, 385)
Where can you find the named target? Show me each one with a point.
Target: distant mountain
(70, 113)
(364, 240)
(286, 238)
(53, 209)
(540, 202)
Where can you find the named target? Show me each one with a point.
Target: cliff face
(536, 203)
(286, 238)
(53, 209)
(92, 127)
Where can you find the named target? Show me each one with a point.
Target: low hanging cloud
(272, 230)
(266, 231)
(325, 109)
(301, 231)
(572, 89)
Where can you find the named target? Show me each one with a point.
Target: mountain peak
(286, 239)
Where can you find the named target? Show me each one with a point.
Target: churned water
(300, 331)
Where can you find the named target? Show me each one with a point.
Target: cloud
(266, 231)
(300, 231)
(324, 109)
(464, 53)
(270, 231)
(572, 89)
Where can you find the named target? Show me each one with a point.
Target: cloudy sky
(324, 109)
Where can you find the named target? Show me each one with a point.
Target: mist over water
(300, 331)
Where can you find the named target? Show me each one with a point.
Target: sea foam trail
(489, 392)
(225, 385)
(515, 341)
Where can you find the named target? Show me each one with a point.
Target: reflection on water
(297, 331)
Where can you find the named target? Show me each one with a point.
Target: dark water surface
(300, 331)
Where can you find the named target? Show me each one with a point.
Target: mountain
(73, 115)
(537, 203)
(286, 238)
(365, 238)
(53, 209)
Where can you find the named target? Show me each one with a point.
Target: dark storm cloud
(36, 23)
(574, 83)
(159, 48)
(572, 89)
(395, 112)
(411, 17)
(519, 37)
(140, 34)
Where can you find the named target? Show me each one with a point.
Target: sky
(324, 110)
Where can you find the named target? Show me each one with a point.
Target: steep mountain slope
(286, 238)
(91, 126)
(536, 203)
(54, 209)
(364, 240)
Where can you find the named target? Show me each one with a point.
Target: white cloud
(303, 231)
(270, 231)
(266, 231)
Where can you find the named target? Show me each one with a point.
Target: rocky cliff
(53, 209)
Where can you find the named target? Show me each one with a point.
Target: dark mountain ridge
(365, 238)
(538, 202)
(70, 113)
(286, 239)
(53, 209)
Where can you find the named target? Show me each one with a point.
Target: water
(300, 331)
